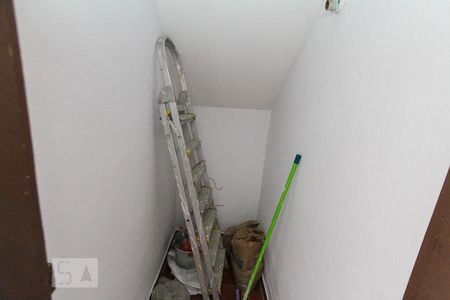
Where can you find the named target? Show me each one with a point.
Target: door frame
(429, 277)
(23, 261)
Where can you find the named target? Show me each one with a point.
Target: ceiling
(236, 53)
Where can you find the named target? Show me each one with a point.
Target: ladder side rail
(182, 149)
(192, 136)
(193, 197)
(200, 157)
(192, 128)
(193, 131)
(174, 110)
(164, 68)
(184, 201)
(195, 156)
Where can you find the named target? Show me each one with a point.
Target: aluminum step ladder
(191, 175)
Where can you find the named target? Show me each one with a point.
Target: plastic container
(184, 259)
(183, 251)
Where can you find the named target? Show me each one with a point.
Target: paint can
(184, 259)
(183, 251)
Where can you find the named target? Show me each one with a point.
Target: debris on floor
(245, 244)
(188, 277)
(181, 262)
(167, 289)
(228, 289)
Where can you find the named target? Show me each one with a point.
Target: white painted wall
(104, 178)
(234, 142)
(367, 104)
(236, 53)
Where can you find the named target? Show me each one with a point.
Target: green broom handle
(272, 226)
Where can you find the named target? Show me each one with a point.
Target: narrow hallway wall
(234, 141)
(367, 105)
(104, 177)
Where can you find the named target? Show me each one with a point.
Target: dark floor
(228, 287)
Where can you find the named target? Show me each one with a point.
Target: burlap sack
(247, 242)
(241, 277)
(230, 231)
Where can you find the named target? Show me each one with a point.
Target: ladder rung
(186, 117)
(198, 172)
(218, 268)
(214, 243)
(209, 219)
(192, 145)
(203, 198)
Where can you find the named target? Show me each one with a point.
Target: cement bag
(241, 277)
(246, 245)
(230, 231)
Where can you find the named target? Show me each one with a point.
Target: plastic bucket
(184, 259)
